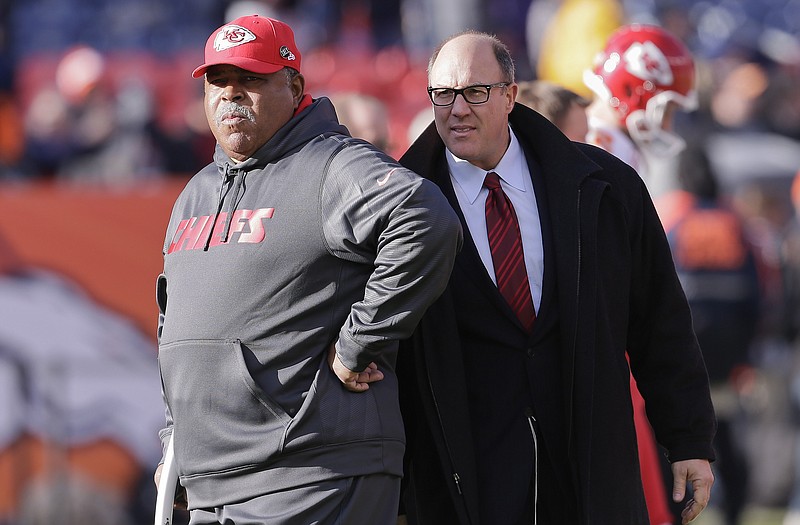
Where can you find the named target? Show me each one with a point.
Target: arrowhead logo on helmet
(646, 61)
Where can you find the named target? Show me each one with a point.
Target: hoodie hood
(316, 119)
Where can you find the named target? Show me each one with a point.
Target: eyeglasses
(477, 94)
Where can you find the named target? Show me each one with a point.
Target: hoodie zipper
(236, 187)
(228, 178)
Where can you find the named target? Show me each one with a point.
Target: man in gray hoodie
(293, 265)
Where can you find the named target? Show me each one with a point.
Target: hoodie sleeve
(379, 212)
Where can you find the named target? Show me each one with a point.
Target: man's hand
(698, 473)
(353, 381)
(157, 475)
(181, 502)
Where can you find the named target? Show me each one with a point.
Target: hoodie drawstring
(232, 178)
(238, 180)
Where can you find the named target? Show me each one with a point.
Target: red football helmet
(642, 70)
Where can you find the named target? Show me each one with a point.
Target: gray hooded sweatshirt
(318, 238)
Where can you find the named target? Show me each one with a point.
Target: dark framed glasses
(475, 94)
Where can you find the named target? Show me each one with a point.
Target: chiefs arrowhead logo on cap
(232, 36)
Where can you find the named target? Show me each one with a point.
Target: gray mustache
(233, 108)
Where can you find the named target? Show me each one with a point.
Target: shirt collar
(470, 177)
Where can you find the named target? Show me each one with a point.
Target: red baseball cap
(255, 43)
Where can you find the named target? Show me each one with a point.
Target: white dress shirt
(515, 179)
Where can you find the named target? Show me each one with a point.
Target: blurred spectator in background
(769, 430)
(83, 129)
(790, 262)
(561, 106)
(747, 142)
(765, 215)
(364, 116)
(718, 270)
(735, 100)
(781, 105)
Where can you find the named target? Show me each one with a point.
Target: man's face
(477, 133)
(245, 109)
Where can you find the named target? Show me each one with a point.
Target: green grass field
(752, 516)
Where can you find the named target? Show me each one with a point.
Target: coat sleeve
(664, 354)
(381, 213)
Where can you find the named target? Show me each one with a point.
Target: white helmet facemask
(646, 127)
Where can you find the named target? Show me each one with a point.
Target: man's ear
(298, 89)
(511, 93)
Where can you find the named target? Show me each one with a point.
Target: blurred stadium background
(101, 124)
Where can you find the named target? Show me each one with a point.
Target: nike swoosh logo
(385, 179)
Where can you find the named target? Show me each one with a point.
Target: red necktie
(506, 246)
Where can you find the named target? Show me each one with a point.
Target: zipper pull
(457, 479)
(529, 413)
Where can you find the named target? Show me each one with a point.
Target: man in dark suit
(517, 397)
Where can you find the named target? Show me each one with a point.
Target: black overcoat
(617, 291)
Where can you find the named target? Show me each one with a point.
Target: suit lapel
(468, 263)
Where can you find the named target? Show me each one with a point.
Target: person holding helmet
(641, 77)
